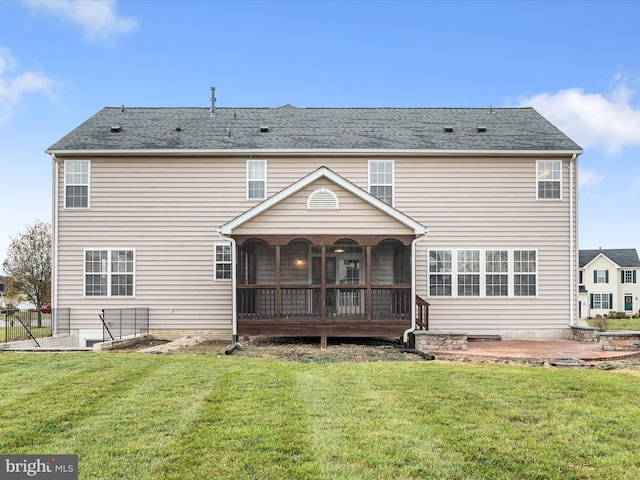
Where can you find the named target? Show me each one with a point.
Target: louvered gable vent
(322, 199)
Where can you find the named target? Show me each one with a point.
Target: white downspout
(54, 272)
(572, 246)
(234, 281)
(405, 335)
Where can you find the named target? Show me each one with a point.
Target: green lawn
(136, 416)
(620, 324)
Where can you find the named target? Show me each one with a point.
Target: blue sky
(576, 62)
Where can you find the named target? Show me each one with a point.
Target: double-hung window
(524, 273)
(628, 276)
(601, 300)
(109, 273)
(497, 273)
(76, 183)
(469, 273)
(222, 261)
(549, 179)
(256, 179)
(482, 273)
(440, 269)
(601, 276)
(381, 180)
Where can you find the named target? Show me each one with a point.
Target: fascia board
(314, 152)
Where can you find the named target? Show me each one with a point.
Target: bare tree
(28, 263)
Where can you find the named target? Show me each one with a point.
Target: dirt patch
(353, 350)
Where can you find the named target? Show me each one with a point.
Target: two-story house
(608, 281)
(318, 221)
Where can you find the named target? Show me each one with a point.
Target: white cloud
(13, 88)
(610, 121)
(589, 178)
(98, 19)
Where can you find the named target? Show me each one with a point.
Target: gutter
(312, 152)
(405, 335)
(234, 281)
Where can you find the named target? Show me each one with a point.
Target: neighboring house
(609, 281)
(318, 221)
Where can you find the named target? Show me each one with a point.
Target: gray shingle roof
(316, 128)
(623, 257)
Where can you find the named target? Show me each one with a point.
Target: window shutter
(611, 301)
(621, 276)
(591, 300)
(595, 276)
(606, 276)
(634, 276)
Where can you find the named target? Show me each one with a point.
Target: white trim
(322, 172)
(108, 273)
(88, 185)
(314, 152)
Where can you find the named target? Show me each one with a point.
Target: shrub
(600, 322)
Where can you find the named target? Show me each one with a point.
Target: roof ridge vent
(481, 128)
(448, 129)
(115, 128)
(264, 128)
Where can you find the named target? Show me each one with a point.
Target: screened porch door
(344, 266)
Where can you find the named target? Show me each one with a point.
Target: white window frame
(374, 182)
(252, 178)
(217, 261)
(628, 276)
(549, 171)
(69, 183)
(528, 271)
(597, 304)
(601, 275)
(109, 272)
(454, 272)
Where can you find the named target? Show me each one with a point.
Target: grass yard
(136, 416)
(614, 324)
(18, 332)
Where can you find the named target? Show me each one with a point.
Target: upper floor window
(256, 179)
(628, 276)
(222, 261)
(601, 276)
(76, 183)
(549, 179)
(381, 180)
(109, 273)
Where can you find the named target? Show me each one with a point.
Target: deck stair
(484, 338)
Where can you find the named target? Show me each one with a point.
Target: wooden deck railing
(422, 313)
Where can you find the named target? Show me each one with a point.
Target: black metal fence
(28, 324)
(122, 322)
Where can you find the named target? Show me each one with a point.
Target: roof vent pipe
(213, 102)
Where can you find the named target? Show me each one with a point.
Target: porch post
(369, 290)
(277, 293)
(323, 283)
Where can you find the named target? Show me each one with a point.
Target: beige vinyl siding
(490, 204)
(354, 216)
(169, 210)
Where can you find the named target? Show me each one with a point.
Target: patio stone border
(434, 341)
(619, 341)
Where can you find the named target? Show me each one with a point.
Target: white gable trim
(323, 172)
